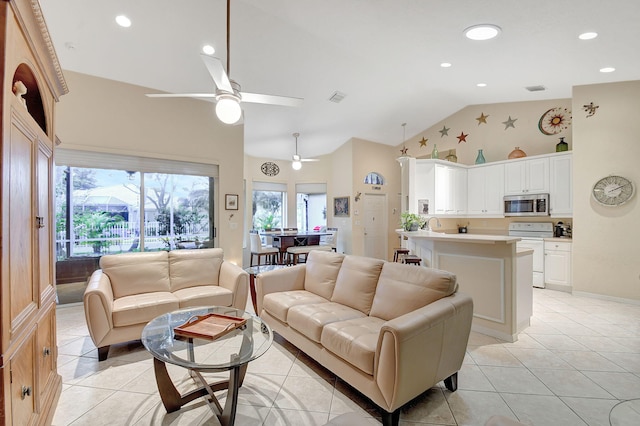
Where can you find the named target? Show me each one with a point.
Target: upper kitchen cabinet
(485, 190)
(526, 176)
(561, 188)
(440, 188)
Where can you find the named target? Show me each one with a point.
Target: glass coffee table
(231, 352)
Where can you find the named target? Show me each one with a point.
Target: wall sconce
(357, 197)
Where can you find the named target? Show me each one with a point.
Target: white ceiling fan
(297, 159)
(227, 94)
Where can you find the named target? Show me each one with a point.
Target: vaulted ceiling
(384, 55)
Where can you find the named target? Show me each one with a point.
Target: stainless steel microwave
(526, 205)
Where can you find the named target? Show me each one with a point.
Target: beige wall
(343, 171)
(606, 244)
(107, 116)
(492, 137)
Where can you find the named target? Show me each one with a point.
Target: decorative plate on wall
(554, 121)
(270, 169)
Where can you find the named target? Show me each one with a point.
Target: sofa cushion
(204, 295)
(136, 273)
(188, 268)
(405, 288)
(354, 340)
(278, 304)
(322, 268)
(311, 319)
(142, 308)
(356, 282)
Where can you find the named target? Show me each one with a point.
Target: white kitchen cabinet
(561, 188)
(557, 265)
(485, 190)
(443, 185)
(527, 176)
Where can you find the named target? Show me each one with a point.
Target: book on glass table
(209, 326)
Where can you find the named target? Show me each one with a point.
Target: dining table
(283, 241)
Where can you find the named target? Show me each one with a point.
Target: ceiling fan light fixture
(296, 165)
(482, 32)
(228, 109)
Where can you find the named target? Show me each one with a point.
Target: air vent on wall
(337, 97)
(536, 88)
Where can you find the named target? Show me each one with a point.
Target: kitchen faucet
(429, 220)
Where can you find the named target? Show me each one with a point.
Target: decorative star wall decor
(509, 123)
(482, 119)
(462, 137)
(444, 131)
(423, 141)
(404, 150)
(590, 108)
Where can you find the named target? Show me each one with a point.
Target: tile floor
(578, 363)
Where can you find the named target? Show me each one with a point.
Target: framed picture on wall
(341, 207)
(423, 206)
(231, 201)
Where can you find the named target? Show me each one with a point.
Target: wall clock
(613, 190)
(554, 121)
(270, 169)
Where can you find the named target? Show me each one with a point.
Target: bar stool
(412, 260)
(399, 253)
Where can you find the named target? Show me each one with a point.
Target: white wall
(107, 116)
(606, 242)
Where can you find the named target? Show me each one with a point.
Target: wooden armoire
(30, 384)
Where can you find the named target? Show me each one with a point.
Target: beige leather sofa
(131, 289)
(390, 330)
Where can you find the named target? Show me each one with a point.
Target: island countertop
(460, 238)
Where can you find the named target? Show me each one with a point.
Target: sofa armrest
(285, 279)
(417, 350)
(236, 279)
(98, 306)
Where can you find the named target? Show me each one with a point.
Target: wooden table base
(173, 400)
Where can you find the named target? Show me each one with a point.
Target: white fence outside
(125, 236)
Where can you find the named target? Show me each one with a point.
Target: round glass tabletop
(231, 350)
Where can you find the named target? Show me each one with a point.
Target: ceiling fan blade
(219, 75)
(181, 95)
(310, 159)
(257, 98)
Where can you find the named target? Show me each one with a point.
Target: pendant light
(296, 164)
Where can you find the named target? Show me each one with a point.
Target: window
(137, 204)
(374, 178)
(311, 206)
(101, 211)
(269, 202)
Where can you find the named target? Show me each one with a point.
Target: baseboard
(494, 333)
(605, 297)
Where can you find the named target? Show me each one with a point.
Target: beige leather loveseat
(390, 330)
(131, 289)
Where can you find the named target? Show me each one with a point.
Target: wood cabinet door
(23, 390)
(46, 351)
(20, 225)
(44, 223)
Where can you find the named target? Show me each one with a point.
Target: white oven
(533, 234)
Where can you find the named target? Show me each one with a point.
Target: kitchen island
(490, 269)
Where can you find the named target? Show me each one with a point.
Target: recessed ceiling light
(482, 32)
(445, 65)
(207, 49)
(588, 36)
(123, 21)
(481, 84)
(607, 69)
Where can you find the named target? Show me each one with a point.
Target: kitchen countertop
(562, 239)
(461, 238)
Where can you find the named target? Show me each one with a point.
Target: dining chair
(331, 239)
(259, 250)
